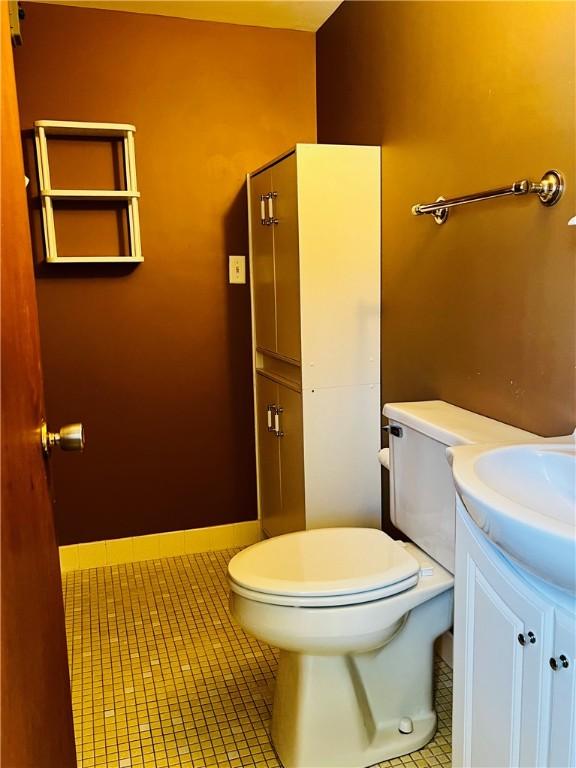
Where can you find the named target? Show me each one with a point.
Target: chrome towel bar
(549, 189)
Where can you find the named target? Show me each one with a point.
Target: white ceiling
(305, 15)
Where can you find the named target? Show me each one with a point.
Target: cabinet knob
(525, 639)
(560, 663)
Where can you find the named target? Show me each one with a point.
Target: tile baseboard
(94, 554)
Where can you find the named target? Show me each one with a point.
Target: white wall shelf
(124, 131)
(89, 194)
(96, 260)
(74, 128)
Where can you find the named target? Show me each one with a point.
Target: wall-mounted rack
(123, 131)
(549, 190)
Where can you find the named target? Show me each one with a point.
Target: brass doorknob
(70, 438)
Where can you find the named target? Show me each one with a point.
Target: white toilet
(355, 614)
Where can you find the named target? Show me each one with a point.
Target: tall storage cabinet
(315, 279)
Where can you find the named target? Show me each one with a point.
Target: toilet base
(345, 711)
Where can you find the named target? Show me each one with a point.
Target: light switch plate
(236, 269)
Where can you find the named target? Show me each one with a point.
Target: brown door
(36, 719)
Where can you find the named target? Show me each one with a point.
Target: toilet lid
(325, 563)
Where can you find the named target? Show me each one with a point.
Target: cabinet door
(262, 264)
(291, 461)
(268, 457)
(563, 716)
(286, 258)
(501, 704)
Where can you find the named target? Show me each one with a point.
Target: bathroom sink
(523, 497)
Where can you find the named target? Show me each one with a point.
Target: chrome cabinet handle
(69, 438)
(273, 419)
(270, 410)
(263, 219)
(277, 428)
(266, 220)
(271, 218)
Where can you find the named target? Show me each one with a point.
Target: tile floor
(162, 677)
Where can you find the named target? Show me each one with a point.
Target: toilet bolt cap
(406, 725)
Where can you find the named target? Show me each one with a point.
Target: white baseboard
(94, 554)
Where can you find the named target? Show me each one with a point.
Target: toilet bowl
(354, 613)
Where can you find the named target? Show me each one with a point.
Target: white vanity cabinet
(562, 748)
(511, 708)
(315, 281)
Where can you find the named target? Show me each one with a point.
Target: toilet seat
(323, 567)
(315, 601)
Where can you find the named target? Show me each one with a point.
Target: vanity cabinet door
(501, 675)
(563, 716)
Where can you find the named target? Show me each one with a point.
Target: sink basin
(523, 497)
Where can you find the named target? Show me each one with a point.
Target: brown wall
(463, 97)
(156, 360)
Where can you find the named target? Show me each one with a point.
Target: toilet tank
(422, 492)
